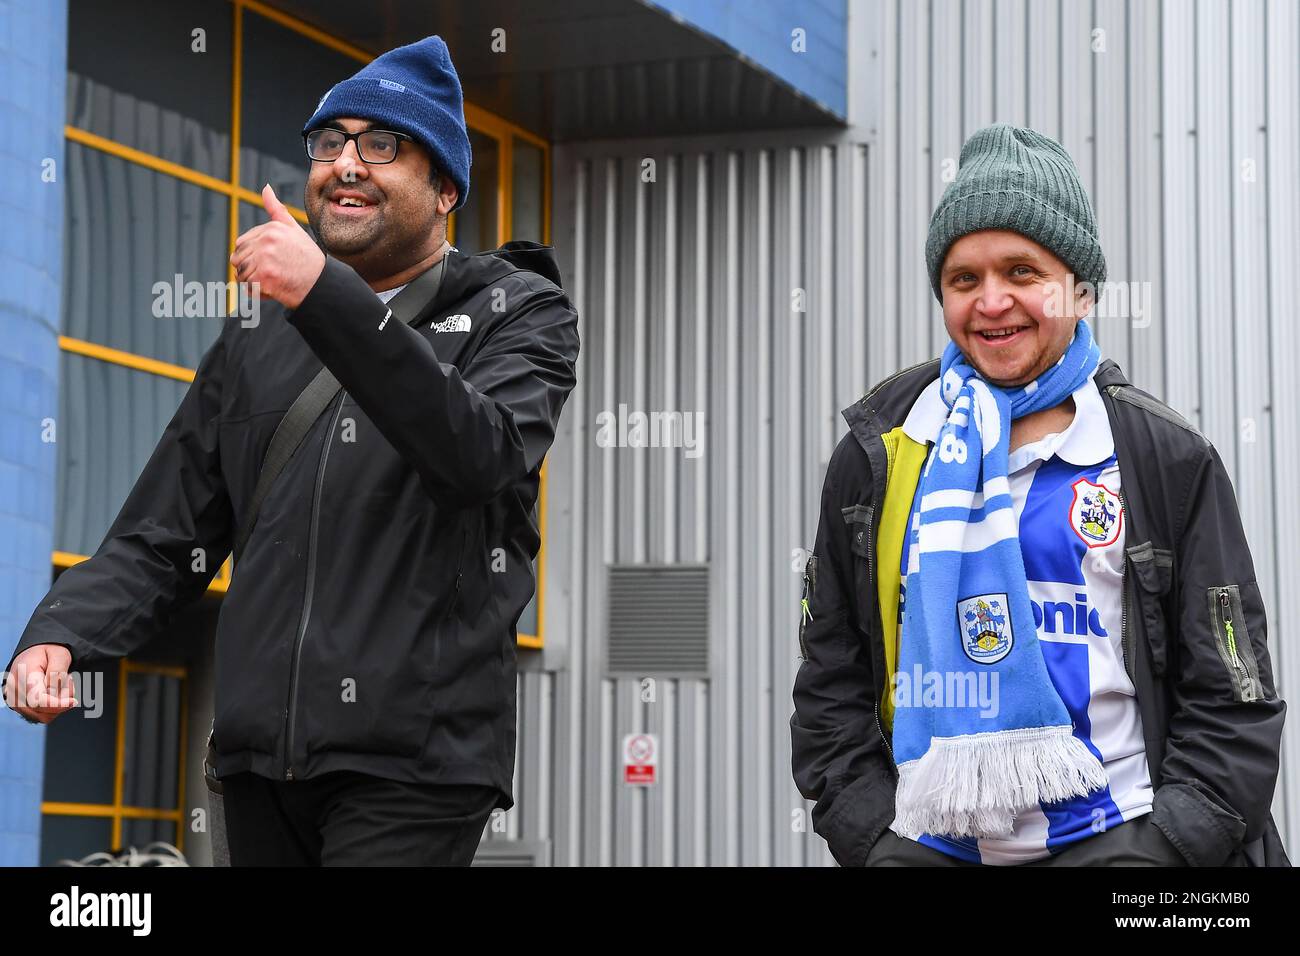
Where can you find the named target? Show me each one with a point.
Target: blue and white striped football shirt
(1065, 490)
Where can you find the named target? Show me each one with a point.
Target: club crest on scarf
(1095, 514)
(986, 625)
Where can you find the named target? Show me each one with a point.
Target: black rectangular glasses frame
(361, 150)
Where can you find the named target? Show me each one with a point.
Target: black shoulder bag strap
(316, 397)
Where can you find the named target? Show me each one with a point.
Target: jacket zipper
(1239, 670)
(290, 710)
(871, 551)
(880, 622)
(1125, 583)
(460, 570)
(890, 750)
(1125, 577)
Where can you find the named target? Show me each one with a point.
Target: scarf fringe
(974, 786)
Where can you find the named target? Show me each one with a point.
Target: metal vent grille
(659, 619)
(513, 853)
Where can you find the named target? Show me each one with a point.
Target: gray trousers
(1136, 842)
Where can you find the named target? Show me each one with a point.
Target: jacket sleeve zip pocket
(805, 613)
(1233, 641)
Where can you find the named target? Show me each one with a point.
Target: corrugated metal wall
(1184, 119)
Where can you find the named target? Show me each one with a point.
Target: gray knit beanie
(1010, 177)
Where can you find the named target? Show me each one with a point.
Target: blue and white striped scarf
(961, 771)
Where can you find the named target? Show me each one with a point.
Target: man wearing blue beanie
(414, 89)
(1032, 633)
(371, 451)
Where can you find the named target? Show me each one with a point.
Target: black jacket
(1213, 730)
(364, 627)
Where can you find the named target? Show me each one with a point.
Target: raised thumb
(274, 207)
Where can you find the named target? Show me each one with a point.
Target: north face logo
(453, 323)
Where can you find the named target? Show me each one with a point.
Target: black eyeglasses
(374, 146)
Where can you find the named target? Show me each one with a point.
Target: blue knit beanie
(414, 90)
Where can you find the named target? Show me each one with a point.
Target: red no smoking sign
(640, 757)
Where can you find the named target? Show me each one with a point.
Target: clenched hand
(39, 686)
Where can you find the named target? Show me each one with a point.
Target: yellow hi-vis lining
(905, 460)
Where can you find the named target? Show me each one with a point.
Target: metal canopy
(581, 69)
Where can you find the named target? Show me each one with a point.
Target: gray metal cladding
(767, 280)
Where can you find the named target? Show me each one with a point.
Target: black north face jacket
(1212, 726)
(364, 627)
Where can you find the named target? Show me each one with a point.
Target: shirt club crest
(985, 622)
(1095, 514)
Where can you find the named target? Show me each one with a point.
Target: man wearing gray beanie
(1031, 631)
(371, 450)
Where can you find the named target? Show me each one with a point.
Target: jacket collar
(467, 274)
(1085, 441)
(887, 405)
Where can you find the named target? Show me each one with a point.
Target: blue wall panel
(33, 75)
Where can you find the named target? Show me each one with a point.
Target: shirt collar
(388, 294)
(1086, 440)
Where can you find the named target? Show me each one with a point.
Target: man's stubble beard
(348, 239)
(371, 243)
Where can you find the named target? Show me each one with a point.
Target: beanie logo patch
(323, 99)
(390, 85)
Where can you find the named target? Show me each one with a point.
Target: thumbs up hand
(275, 208)
(278, 255)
